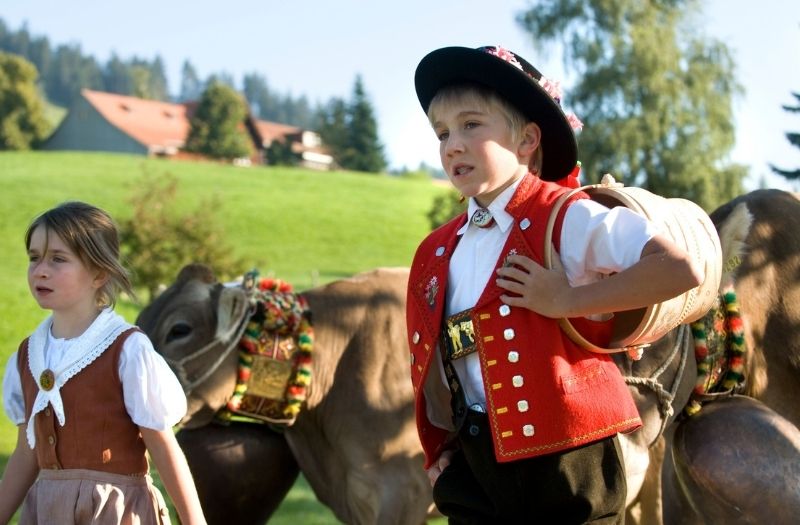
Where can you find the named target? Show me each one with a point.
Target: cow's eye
(178, 331)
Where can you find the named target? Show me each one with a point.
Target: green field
(302, 226)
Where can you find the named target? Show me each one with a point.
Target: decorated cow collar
(275, 353)
(720, 351)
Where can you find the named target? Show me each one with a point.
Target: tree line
(63, 70)
(656, 95)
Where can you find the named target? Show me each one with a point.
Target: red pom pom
(296, 390)
(571, 180)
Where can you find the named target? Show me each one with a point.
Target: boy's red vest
(544, 394)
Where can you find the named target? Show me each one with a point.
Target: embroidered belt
(458, 336)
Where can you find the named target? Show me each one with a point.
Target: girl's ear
(100, 279)
(531, 138)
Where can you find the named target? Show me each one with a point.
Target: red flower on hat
(551, 87)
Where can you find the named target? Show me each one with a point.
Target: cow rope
(666, 397)
(227, 342)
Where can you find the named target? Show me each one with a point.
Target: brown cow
(355, 441)
(761, 254)
(766, 276)
(737, 461)
(762, 238)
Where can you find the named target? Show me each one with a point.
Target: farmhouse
(99, 121)
(306, 145)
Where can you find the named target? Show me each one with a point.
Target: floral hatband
(551, 87)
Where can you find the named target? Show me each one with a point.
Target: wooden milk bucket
(689, 227)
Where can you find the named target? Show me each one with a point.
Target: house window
(311, 139)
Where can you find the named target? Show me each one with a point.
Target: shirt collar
(497, 208)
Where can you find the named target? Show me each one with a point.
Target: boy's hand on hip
(437, 468)
(534, 287)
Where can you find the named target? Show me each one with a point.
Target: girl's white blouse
(153, 396)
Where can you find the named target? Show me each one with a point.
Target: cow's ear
(232, 308)
(196, 271)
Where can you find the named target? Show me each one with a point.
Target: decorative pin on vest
(482, 218)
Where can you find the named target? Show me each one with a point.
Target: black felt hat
(515, 80)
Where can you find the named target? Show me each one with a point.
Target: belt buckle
(458, 335)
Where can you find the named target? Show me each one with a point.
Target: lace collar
(82, 351)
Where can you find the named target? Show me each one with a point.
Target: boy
(517, 422)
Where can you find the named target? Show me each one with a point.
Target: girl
(88, 392)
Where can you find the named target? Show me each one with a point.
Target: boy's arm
(21, 472)
(664, 271)
(175, 474)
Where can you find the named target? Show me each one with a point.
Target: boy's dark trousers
(582, 485)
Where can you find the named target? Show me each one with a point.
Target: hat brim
(453, 65)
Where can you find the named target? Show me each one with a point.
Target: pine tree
(116, 76)
(364, 152)
(159, 89)
(257, 94)
(333, 128)
(140, 81)
(71, 71)
(136, 77)
(191, 85)
(350, 131)
(794, 140)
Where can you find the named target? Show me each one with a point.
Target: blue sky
(317, 48)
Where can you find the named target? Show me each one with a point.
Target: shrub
(217, 128)
(445, 207)
(22, 121)
(157, 242)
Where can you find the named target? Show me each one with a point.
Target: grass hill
(302, 226)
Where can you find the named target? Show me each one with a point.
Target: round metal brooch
(47, 380)
(482, 218)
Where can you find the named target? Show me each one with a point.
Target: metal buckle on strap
(458, 335)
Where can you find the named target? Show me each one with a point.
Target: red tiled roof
(151, 122)
(270, 131)
(164, 125)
